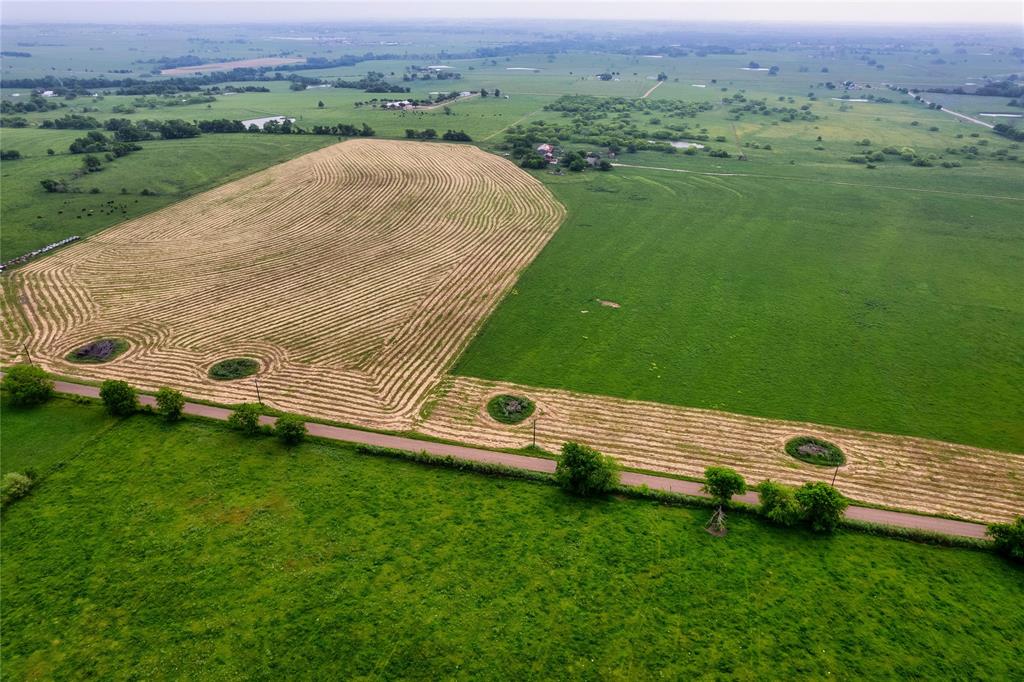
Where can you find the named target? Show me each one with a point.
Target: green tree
(584, 471)
(291, 429)
(778, 503)
(320, 104)
(246, 418)
(27, 385)
(821, 505)
(91, 163)
(119, 397)
(721, 483)
(170, 403)
(1008, 538)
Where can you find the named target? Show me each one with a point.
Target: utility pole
(535, 432)
(834, 477)
(258, 397)
(28, 355)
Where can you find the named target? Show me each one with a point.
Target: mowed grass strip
(877, 309)
(190, 551)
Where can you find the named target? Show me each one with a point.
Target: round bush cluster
(510, 409)
(100, 350)
(234, 368)
(815, 451)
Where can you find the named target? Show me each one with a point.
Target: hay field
(354, 274)
(911, 473)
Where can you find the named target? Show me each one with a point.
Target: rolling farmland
(353, 274)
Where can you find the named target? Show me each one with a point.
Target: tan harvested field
(354, 274)
(227, 66)
(911, 473)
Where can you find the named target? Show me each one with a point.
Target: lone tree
(27, 385)
(721, 483)
(778, 504)
(246, 418)
(1008, 538)
(821, 505)
(290, 429)
(582, 470)
(170, 403)
(119, 398)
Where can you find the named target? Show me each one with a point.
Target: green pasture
(171, 169)
(807, 299)
(190, 551)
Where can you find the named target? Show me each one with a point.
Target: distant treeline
(12, 53)
(1011, 87)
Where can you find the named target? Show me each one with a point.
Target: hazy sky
(919, 12)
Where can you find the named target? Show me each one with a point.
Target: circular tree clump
(815, 451)
(234, 368)
(510, 409)
(100, 350)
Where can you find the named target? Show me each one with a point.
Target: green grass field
(172, 169)
(189, 551)
(804, 298)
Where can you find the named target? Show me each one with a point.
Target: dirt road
(890, 518)
(653, 88)
(950, 111)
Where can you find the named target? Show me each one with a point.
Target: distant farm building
(260, 122)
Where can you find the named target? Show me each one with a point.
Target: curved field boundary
(354, 274)
(909, 473)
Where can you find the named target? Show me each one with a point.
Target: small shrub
(119, 398)
(170, 403)
(290, 429)
(821, 505)
(27, 385)
(721, 483)
(1008, 538)
(582, 470)
(14, 487)
(778, 503)
(510, 409)
(246, 418)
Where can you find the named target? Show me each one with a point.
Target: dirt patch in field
(608, 304)
(227, 66)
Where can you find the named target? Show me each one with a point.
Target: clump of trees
(290, 429)
(246, 418)
(119, 397)
(27, 385)
(170, 404)
(427, 134)
(584, 471)
(1008, 538)
(10, 155)
(457, 136)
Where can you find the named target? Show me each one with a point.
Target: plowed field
(354, 275)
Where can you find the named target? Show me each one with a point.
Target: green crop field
(884, 309)
(190, 551)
